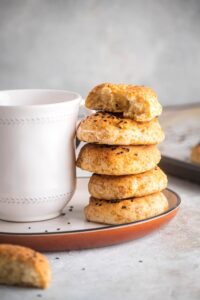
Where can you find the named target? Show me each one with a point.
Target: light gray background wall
(77, 44)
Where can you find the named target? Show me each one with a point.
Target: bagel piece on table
(137, 102)
(195, 154)
(23, 266)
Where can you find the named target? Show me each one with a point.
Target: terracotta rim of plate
(94, 237)
(103, 227)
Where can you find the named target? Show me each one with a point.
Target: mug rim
(77, 98)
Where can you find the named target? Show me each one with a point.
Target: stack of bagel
(121, 152)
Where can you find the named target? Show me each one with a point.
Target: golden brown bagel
(118, 160)
(137, 102)
(195, 154)
(125, 211)
(111, 129)
(23, 266)
(127, 186)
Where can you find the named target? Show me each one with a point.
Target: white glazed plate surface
(71, 220)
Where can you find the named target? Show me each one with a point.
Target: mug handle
(83, 113)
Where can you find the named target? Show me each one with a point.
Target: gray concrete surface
(76, 44)
(164, 265)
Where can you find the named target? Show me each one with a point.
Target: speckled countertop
(163, 265)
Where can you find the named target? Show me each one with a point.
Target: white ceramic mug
(37, 157)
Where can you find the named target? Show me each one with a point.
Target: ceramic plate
(71, 231)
